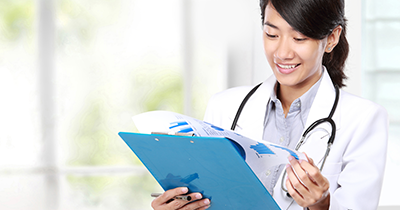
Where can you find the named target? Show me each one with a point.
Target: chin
(287, 80)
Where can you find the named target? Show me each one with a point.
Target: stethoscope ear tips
(288, 195)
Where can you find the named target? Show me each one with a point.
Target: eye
(300, 39)
(270, 35)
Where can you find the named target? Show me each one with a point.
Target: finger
(176, 204)
(168, 195)
(296, 184)
(307, 168)
(179, 203)
(199, 204)
(293, 192)
(320, 187)
(308, 184)
(310, 160)
(310, 170)
(194, 196)
(204, 207)
(299, 172)
(314, 173)
(302, 195)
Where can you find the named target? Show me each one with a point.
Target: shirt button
(298, 104)
(282, 139)
(268, 172)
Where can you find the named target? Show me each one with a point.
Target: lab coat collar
(323, 103)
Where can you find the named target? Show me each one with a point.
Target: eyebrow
(271, 25)
(267, 23)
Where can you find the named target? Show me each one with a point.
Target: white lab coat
(356, 163)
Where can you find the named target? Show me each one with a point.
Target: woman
(305, 45)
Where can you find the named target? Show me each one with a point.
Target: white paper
(260, 155)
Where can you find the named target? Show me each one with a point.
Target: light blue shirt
(286, 131)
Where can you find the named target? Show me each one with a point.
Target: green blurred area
(16, 19)
(92, 140)
(115, 192)
(92, 136)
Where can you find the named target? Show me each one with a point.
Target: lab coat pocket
(331, 171)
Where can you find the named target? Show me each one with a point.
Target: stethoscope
(306, 132)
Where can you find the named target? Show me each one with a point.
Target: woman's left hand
(309, 188)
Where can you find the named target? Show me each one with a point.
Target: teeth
(287, 66)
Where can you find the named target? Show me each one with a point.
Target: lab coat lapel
(315, 145)
(323, 102)
(253, 115)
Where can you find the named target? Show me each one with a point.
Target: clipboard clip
(174, 133)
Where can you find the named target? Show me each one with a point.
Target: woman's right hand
(163, 202)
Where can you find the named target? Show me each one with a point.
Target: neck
(287, 94)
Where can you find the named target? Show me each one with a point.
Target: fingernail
(206, 201)
(185, 190)
(300, 161)
(287, 165)
(208, 206)
(198, 196)
(290, 158)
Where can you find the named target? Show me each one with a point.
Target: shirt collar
(307, 99)
(303, 103)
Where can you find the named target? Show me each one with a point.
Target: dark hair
(316, 19)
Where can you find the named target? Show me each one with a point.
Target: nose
(284, 50)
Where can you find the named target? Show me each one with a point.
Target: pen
(180, 197)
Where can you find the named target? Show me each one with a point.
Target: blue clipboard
(211, 166)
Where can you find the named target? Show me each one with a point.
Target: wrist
(323, 204)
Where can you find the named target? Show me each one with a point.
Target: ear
(333, 39)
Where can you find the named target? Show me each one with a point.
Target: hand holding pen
(179, 199)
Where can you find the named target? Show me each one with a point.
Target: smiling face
(295, 59)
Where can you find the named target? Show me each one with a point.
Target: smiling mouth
(288, 66)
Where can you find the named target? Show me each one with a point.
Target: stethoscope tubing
(305, 133)
(235, 120)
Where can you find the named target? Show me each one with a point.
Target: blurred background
(74, 72)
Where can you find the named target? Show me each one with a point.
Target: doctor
(306, 47)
